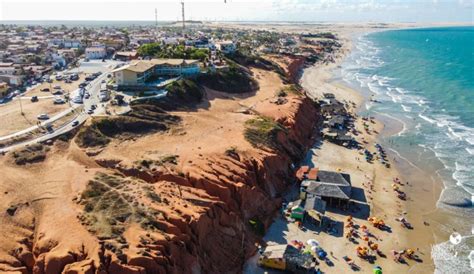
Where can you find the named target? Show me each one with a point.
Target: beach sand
(418, 209)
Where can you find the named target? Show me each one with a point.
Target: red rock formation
(205, 225)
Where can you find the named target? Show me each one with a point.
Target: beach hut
(333, 187)
(315, 209)
(287, 258)
(297, 213)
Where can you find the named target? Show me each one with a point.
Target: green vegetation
(234, 79)
(263, 131)
(185, 90)
(290, 89)
(171, 51)
(30, 154)
(148, 115)
(142, 119)
(112, 201)
(244, 57)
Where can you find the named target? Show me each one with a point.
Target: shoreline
(400, 162)
(419, 212)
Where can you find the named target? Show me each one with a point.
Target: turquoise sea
(423, 79)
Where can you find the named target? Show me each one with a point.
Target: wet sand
(373, 183)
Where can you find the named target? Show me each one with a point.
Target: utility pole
(156, 21)
(21, 106)
(182, 13)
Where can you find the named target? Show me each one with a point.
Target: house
(12, 80)
(9, 69)
(329, 186)
(138, 72)
(226, 47)
(286, 258)
(126, 55)
(95, 53)
(37, 71)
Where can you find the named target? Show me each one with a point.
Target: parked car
(90, 111)
(34, 99)
(43, 116)
(58, 101)
(57, 87)
(75, 123)
(58, 92)
(45, 89)
(87, 95)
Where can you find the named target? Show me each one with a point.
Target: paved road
(93, 89)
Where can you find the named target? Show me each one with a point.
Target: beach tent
(297, 212)
(377, 270)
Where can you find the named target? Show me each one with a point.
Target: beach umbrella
(312, 242)
(322, 254)
(377, 270)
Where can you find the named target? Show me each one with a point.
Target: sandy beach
(374, 181)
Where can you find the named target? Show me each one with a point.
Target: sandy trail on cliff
(46, 224)
(216, 125)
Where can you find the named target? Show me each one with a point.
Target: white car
(59, 100)
(43, 116)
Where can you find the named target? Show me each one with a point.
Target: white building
(95, 53)
(226, 46)
(138, 72)
(65, 43)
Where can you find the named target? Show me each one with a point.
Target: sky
(242, 10)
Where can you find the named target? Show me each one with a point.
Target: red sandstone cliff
(201, 206)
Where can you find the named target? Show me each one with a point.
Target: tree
(150, 49)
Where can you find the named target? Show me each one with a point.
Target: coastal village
(191, 150)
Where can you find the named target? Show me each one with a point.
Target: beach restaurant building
(140, 71)
(332, 187)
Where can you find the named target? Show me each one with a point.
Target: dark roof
(315, 203)
(324, 189)
(339, 119)
(334, 177)
(343, 137)
(330, 184)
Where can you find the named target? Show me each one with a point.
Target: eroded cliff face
(200, 211)
(242, 186)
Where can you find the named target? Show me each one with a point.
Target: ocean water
(423, 79)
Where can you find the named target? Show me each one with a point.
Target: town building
(95, 53)
(140, 71)
(126, 55)
(226, 47)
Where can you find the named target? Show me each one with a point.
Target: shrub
(262, 132)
